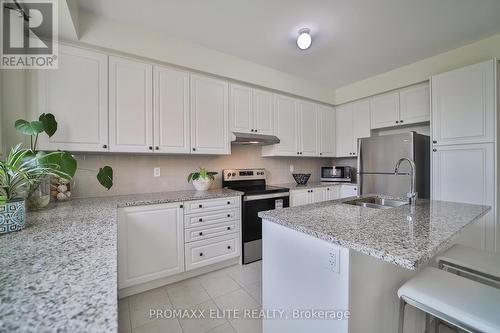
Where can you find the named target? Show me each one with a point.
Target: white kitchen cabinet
(171, 110)
(348, 191)
(77, 94)
(466, 173)
(463, 105)
(326, 130)
(332, 193)
(308, 196)
(384, 110)
(150, 243)
(209, 116)
(285, 128)
(352, 123)
(130, 105)
(308, 128)
(414, 104)
(251, 110)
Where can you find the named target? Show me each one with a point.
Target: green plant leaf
(49, 123)
(60, 163)
(28, 128)
(105, 176)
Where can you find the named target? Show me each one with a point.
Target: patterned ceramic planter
(12, 216)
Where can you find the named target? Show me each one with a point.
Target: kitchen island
(352, 259)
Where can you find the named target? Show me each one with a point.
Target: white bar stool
(463, 303)
(479, 265)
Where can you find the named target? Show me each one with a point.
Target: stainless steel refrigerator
(377, 157)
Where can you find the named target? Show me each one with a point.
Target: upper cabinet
(463, 105)
(77, 94)
(326, 127)
(209, 116)
(285, 128)
(171, 110)
(307, 128)
(130, 105)
(352, 123)
(251, 110)
(406, 106)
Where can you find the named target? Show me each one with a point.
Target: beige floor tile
(255, 290)
(142, 305)
(219, 285)
(201, 325)
(247, 325)
(238, 300)
(226, 328)
(159, 326)
(123, 315)
(246, 275)
(186, 294)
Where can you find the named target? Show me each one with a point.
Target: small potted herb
(202, 179)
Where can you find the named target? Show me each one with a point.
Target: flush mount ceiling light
(304, 40)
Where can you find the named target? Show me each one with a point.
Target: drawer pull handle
(201, 233)
(229, 247)
(200, 206)
(200, 219)
(228, 228)
(201, 254)
(228, 215)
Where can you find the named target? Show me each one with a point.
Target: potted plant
(202, 179)
(24, 170)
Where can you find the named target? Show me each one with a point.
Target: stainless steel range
(257, 197)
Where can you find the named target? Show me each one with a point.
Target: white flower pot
(202, 184)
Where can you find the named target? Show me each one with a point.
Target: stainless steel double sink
(376, 202)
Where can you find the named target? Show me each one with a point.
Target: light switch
(156, 172)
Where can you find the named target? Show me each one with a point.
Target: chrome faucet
(412, 195)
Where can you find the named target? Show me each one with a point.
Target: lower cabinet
(348, 191)
(212, 250)
(150, 243)
(320, 194)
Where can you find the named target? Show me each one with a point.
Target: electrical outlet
(156, 172)
(291, 167)
(333, 259)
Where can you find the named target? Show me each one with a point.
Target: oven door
(252, 224)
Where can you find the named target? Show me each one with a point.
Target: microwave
(336, 174)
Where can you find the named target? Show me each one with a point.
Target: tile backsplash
(134, 173)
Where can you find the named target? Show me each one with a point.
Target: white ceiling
(352, 39)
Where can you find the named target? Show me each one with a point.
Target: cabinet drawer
(211, 251)
(206, 218)
(205, 232)
(211, 204)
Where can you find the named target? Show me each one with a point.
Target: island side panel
(298, 274)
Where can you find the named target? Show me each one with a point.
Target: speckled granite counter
(59, 274)
(383, 233)
(309, 185)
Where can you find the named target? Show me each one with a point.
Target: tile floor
(235, 287)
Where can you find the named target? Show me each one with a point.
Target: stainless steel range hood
(254, 139)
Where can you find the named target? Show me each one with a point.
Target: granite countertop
(397, 235)
(309, 185)
(60, 272)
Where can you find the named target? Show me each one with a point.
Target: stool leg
(402, 305)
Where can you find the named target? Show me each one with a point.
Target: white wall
(420, 71)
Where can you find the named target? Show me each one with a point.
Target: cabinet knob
(181, 206)
(397, 122)
(228, 215)
(401, 121)
(157, 148)
(200, 206)
(194, 149)
(229, 247)
(355, 189)
(201, 233)
(200, 219)
(434, 150)
(201, 254)
(228, 228)
(229, 202)
(298, 153)
(255, 131)
(328, 189)
(320, 154)
(104, 146)
(434, 141)
(150, 147)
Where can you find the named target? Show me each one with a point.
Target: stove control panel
(244, 174)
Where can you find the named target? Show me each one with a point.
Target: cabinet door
(361, 122)
(348, 191)
(130, 106)
(333, 193)
(150, 243)
(344, 130)
(240, 109)
(171, 110)
(299, 198)
(465, 173)
(384, 110)
(414, 104)
(318, 194)
(326, 129)
(209, 116)
(263, 112)
(77, 94)
(463, 105)
(286, 126)
(308, 129)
